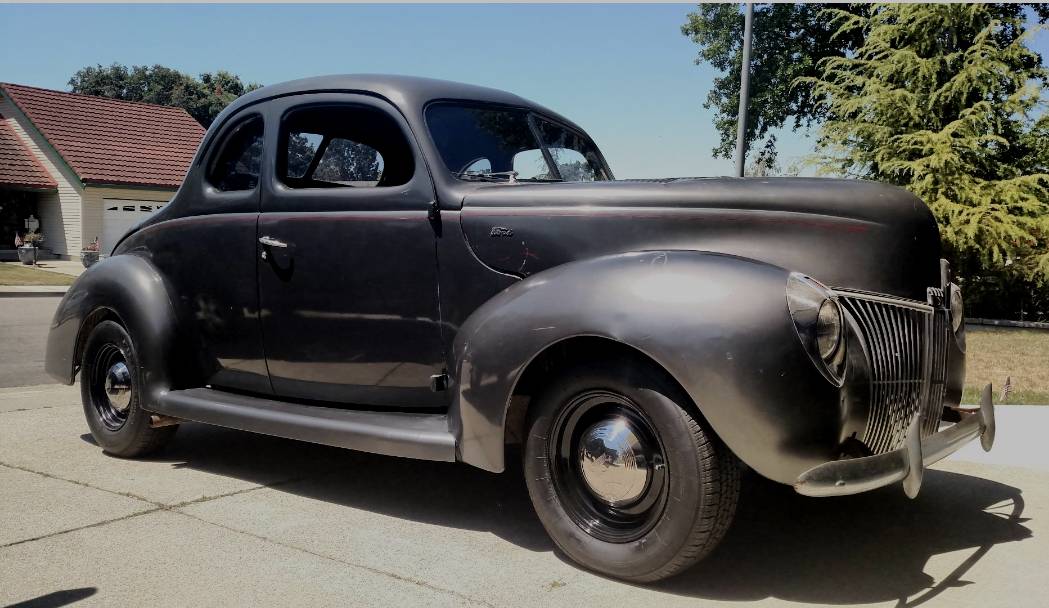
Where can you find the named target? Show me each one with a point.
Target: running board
(421, 436)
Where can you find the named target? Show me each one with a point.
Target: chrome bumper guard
(906, 464)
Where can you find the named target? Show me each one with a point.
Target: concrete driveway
(24, 322)
(225, 518)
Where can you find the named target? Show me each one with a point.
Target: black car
(434, 270)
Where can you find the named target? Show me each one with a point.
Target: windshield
(502, 144)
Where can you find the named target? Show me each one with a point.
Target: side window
(481, 165)
(302, 147)
(240, 158)
(576, 159)
(343, 146)
(531, 164)
(572, 165)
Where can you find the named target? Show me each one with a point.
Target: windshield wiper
(489, 176)
(498, 176)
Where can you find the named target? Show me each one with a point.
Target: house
(86, 166)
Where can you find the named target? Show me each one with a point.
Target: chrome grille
(906, 344)
(938, 373)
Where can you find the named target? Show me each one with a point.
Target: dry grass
(995, 353)
(16, 273)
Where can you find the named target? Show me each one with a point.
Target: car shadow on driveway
(857, 549)
(439, 493)
(866, 548)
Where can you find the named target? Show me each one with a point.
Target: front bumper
(906, 464)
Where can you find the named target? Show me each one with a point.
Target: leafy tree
(763, 165)
(203, 98)
(939, 99)
(788, 43)
(575, 171)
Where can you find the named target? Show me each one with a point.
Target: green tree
(942, 99)
(202, 97)
(789, 41)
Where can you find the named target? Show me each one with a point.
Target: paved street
(23, 331)
(225, 518)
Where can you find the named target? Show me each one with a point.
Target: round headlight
(828, 329)
(957, 308)
(820, 325)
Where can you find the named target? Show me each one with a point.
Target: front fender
(129, 288)
(717, 323)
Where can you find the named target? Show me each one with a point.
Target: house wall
(59, 212)
(93, 204)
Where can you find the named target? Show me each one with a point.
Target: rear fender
(128, 289)
(718, 324)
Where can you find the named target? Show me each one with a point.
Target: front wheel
(627, 481)
(111, 390)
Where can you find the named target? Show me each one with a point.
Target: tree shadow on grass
(858, 549)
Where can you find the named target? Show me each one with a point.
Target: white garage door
(119, 216)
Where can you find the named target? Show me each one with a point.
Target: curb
(19, 291)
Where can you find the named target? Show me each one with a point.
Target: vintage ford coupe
(439, 271)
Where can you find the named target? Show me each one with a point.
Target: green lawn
(996, 353)
(16, 273)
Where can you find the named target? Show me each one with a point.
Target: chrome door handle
(269, 241)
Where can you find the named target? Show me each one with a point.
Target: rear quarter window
(239, 161)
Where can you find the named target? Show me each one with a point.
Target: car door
(348, 270)
(207, 252)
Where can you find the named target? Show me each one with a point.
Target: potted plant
(89, 254)
(27, 246)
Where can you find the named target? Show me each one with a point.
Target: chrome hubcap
(613, 462)
(111, 385)
(118, 386)
(607, 466)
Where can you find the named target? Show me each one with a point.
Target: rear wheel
(110, 388)
(624, 477)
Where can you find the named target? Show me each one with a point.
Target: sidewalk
(13, 291)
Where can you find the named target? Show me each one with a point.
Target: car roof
(408, 93)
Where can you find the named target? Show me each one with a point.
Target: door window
(343, 146)
(240, 158)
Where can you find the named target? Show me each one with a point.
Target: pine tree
(946, 100)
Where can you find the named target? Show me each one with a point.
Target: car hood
(845, 233)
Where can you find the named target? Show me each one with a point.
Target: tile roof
(109, 141)
(18, 166)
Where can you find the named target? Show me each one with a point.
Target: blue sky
(623, 72)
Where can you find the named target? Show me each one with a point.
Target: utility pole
(744, 91)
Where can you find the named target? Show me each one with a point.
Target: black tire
(687, 503)
(121, 430)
